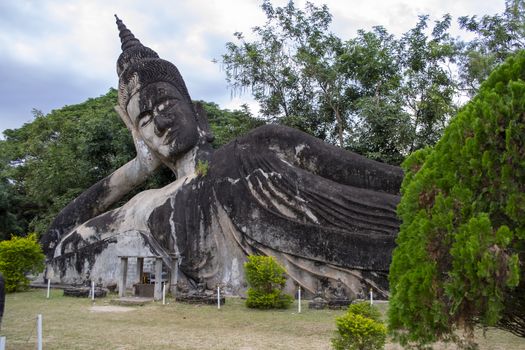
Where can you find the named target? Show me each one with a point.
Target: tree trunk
(339, 126)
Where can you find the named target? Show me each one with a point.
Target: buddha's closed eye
(145, 118)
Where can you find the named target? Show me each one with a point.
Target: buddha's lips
(170, 136)
(169, 140)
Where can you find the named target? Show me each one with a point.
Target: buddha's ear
(202, 121)
(124, 116)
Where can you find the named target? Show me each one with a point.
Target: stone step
(131, 301)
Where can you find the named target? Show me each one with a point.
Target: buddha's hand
(146, 157)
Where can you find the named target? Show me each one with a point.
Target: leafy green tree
(428, 87)
(402, 89)
(9, 222)
(291, 71)
(54, 158)
(462, 238)
(16, 210)
(266, 280)
(380, 96)
(381, 126)
(497, 37)
(227, 125)
(19, 257)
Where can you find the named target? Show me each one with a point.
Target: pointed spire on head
(138, 66)
(127, 38)
(132, 49)
(141, 71)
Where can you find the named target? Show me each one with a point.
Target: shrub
(202, 168)
(357, 331)
(366, 310)
(459, 256)
(266, 279)
(19, 257)
(262, 300)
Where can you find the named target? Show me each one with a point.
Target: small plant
(19, 257)
(366, 310)
(202, 168)
(266, 279)
(360, 329)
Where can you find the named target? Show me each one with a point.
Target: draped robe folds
(326, 214)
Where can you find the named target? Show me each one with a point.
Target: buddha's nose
(163, 122)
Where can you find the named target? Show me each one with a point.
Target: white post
(218, 297)
(163, 293)
(93, 290)
(39, 331)
(299, 304)
(48, 287)
(371, 297)
(2, 343)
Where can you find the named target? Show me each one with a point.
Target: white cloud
(78, 40)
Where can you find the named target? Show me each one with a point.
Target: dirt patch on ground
(110, 308)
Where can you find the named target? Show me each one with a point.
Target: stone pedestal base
(334, 304)
(84, 292)
(339, 303)
(144, 290)
(317, 304)
(199, 299)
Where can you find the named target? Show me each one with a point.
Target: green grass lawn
(72, 323)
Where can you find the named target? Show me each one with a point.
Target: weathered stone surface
(330, 296)
(144, 290)
(318, 304)
(131, 301)
(198, 295)
(336, 304)
(199, 299)
(319, 301)
(324, 213)
(84, 292)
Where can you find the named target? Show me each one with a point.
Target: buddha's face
(164, 119)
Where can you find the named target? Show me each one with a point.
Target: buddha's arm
(97, 199)
(105, 193)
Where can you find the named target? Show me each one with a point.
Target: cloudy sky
(58, 53)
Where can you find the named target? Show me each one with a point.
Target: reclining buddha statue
(326, 214)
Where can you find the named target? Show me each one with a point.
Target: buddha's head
(156, 99)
